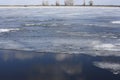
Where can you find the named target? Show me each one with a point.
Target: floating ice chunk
(115, 22)
(8, 30)
(113, 67)
(105, 46)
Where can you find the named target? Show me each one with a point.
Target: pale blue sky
(107, 2)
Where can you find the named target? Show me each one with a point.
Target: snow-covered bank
(59, 7)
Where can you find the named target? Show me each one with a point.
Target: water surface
(25, 65)
(60, 43)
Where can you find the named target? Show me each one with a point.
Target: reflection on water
(23, 65)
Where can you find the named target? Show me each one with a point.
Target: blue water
(28, 65)
(60, 29)
(92, 31)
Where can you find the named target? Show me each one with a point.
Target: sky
(37, 2)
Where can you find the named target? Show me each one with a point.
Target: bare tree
(69, 2)
(45, 3)
(91, 2)
(57, 3)
(84, 2)
(65, 2)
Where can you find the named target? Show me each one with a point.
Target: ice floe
(115, 22)
(113, 67)
(8, 30)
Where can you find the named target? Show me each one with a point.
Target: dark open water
(60, 43)
(23, 65)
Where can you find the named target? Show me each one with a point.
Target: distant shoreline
(58, 6)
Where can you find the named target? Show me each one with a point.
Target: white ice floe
(115, 22)
(70, 46)
(8, 30)
(98, 45)
(105, 46)
(113, 67)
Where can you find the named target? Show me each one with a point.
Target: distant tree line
(66, 3)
